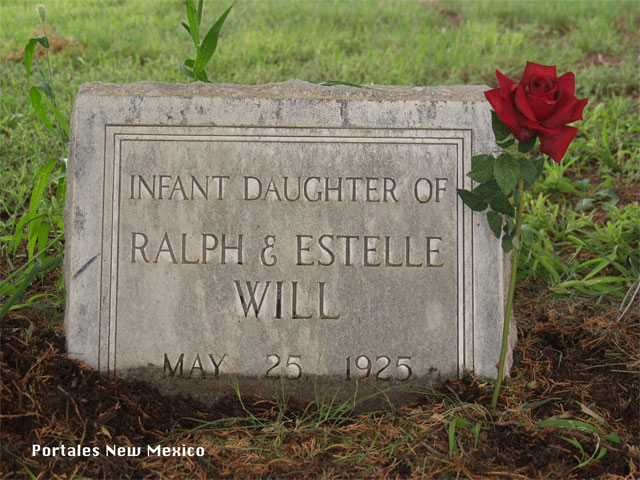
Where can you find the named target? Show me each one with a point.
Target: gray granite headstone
(223, 236)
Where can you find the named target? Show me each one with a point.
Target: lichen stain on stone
(78, 220)
(344, 112)
(134, 111)
(278, 112)
(427, 111)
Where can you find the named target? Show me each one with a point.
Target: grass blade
(37, 269)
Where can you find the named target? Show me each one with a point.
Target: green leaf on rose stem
(194, 25)
(209, 44)
(471, 200)
(526, 147)
(506, 171)
(42, 40)
(481, 168)
(504, 137)
(507, 243)
(539, 164)
(501, 204)
(478, 161)
(528, 171)
(28, 56)
(500, 130)
(527, 233)
(584, 205)
(509, 224)
(516, 196)
(36, 100)
(495, 223)
(506, 143)
(488, 190)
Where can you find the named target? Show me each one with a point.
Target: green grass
(578, 227)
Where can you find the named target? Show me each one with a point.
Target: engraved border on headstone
(115, 135)
(103, 110)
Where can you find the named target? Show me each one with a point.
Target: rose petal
(540, 86)
(549, 92)
(556, 146)
(562, 114)
(525, 134)
(494, 98)
(566, 84)
(522, 103)
(568, 111)
(505, 84)
(504, 109)
(532, 69)
(524, 131)
(577, 113)
(550, 95)
(538, 128)
(541, 107)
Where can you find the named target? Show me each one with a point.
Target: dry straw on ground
(581, 358)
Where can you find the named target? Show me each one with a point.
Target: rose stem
(512, 286)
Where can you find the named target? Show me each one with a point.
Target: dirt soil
(578, 360)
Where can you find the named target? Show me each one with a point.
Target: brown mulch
(57, 44)
(582, 359)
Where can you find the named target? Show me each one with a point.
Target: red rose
(541, 104)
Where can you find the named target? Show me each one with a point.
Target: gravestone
(310, 237)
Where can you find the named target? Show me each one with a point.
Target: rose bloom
(540, 104)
